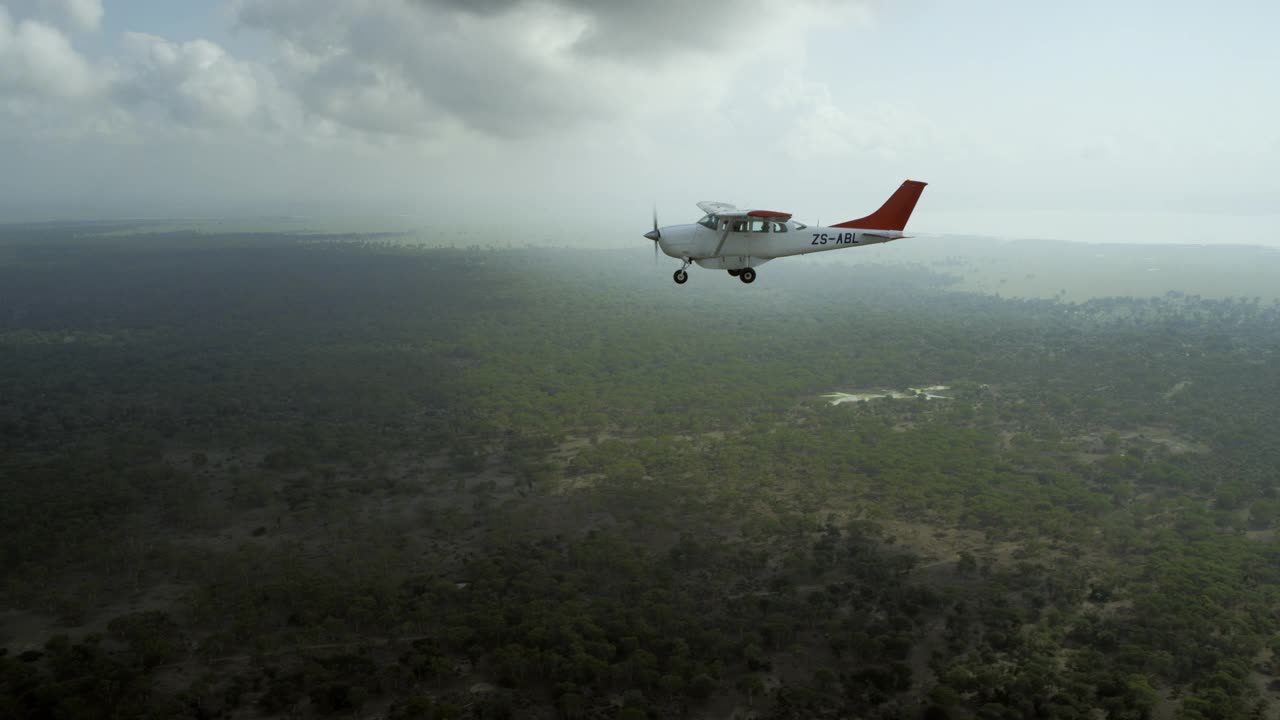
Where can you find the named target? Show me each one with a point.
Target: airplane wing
(717, 208)
(727, 210)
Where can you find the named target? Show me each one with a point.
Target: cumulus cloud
(629, 29)
(511, 68)
(147, 85)
(422, 70)
(395, 68)
(86, 14)
(70, 14)
(197, 83)
(38, 60)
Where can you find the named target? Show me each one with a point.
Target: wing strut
(723, 236)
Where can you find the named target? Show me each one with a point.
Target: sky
(1105, 121)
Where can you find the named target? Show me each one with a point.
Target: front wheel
(747, 275)
(681, 277)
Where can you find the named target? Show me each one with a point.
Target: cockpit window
(708, 221)
(798, 225)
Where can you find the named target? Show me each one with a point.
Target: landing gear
(681, 277)
(747, 275)
(734, 273)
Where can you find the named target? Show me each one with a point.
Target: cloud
(37, 60)
(420, 71)
(651, 30)
(72, 14)
(198, 84)
(149, 85)
(391, 67)
(81, 14)
(516, 68)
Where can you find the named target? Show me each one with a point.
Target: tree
(751, 685)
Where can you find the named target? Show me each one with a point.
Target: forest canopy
(327, 475)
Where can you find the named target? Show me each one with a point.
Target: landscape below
(257, 475)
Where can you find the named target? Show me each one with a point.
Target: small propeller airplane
(741, 240)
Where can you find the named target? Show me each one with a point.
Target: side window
(779, 227)
(739, 226)
(759, 226)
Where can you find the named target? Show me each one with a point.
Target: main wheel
(747, 275)
(681, 277)
(734, 273)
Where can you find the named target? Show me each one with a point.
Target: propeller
(655, 235)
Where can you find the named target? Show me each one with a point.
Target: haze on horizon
(1140, 122)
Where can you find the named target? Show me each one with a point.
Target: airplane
(739, 241)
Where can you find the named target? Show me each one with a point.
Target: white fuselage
(743, 249)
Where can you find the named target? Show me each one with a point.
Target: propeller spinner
(655, 235)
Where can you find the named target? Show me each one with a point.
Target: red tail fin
(894, 213)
